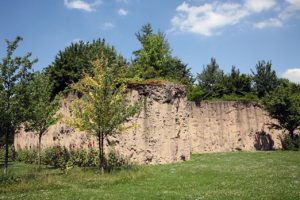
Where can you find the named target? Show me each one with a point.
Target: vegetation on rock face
(14, 77)
(103, 107)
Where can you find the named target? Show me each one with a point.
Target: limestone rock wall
(231, 126)
(160, 134)
(169, 128)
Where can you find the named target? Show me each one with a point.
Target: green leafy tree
(75, 60)
(284, 105)
(237, 83)
(176, 70)
(145, 31)
(265, 79)
(211, 80)
(154, 59)
(153, 55)
(14, 76)
(42, 109)
(102, 109)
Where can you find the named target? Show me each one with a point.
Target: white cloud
(272, 22)
(209, 18)
(122, 12)
(284, 14)
(292, 74)
(108, 26)
(82, 5)
(259, 5)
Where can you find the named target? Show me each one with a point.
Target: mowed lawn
(238, 175)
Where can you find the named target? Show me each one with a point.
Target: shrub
(27, 156)
(61, 157)
(115, 161)
(291, 144)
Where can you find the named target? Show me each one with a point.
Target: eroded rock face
(169, 128)
(231, 126)
(160, 134)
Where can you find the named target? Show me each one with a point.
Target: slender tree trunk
(39, 150)
(6, 151)
(101, 156)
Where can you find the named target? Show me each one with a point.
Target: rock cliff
(169, 128)
(231, 126)
(160, 134)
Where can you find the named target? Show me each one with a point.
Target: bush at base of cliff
(61, 157)
(291, 144)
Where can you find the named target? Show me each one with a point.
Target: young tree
(14, 75)
(284, 105)
(265, 79)
(42, 109)
(102, 109)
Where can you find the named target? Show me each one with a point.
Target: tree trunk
(39, 150)
(6, 151)
(101, 152)
(291, 133)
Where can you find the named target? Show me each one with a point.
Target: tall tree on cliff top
(102, 109)
(42, 109)
(265, 79)
(154, 59)
(14, 77)
(211, 80)
(75, 60)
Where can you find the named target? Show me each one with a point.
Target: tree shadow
(263, 141)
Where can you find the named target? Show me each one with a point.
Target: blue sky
(234, 32)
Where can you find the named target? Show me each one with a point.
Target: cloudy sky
(235, 32)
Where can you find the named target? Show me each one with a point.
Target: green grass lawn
(239, 175)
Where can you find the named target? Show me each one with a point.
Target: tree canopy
(283, 104)
(154, 59)
(75, 60)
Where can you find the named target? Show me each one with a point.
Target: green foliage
(237, 83)
(42, 109)
(211, 80)
(27, 156)
(103, 108)
(154, 59)
(290, 144)
(115, 161)
(74, 61)
(195, 93)
(265, 79)
(64, 159)
(283, 104)
(14, 76)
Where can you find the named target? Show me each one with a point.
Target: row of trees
(98, 73)
(31, 100)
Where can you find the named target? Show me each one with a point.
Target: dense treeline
(31, 99)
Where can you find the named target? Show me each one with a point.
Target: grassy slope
(241, 175)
